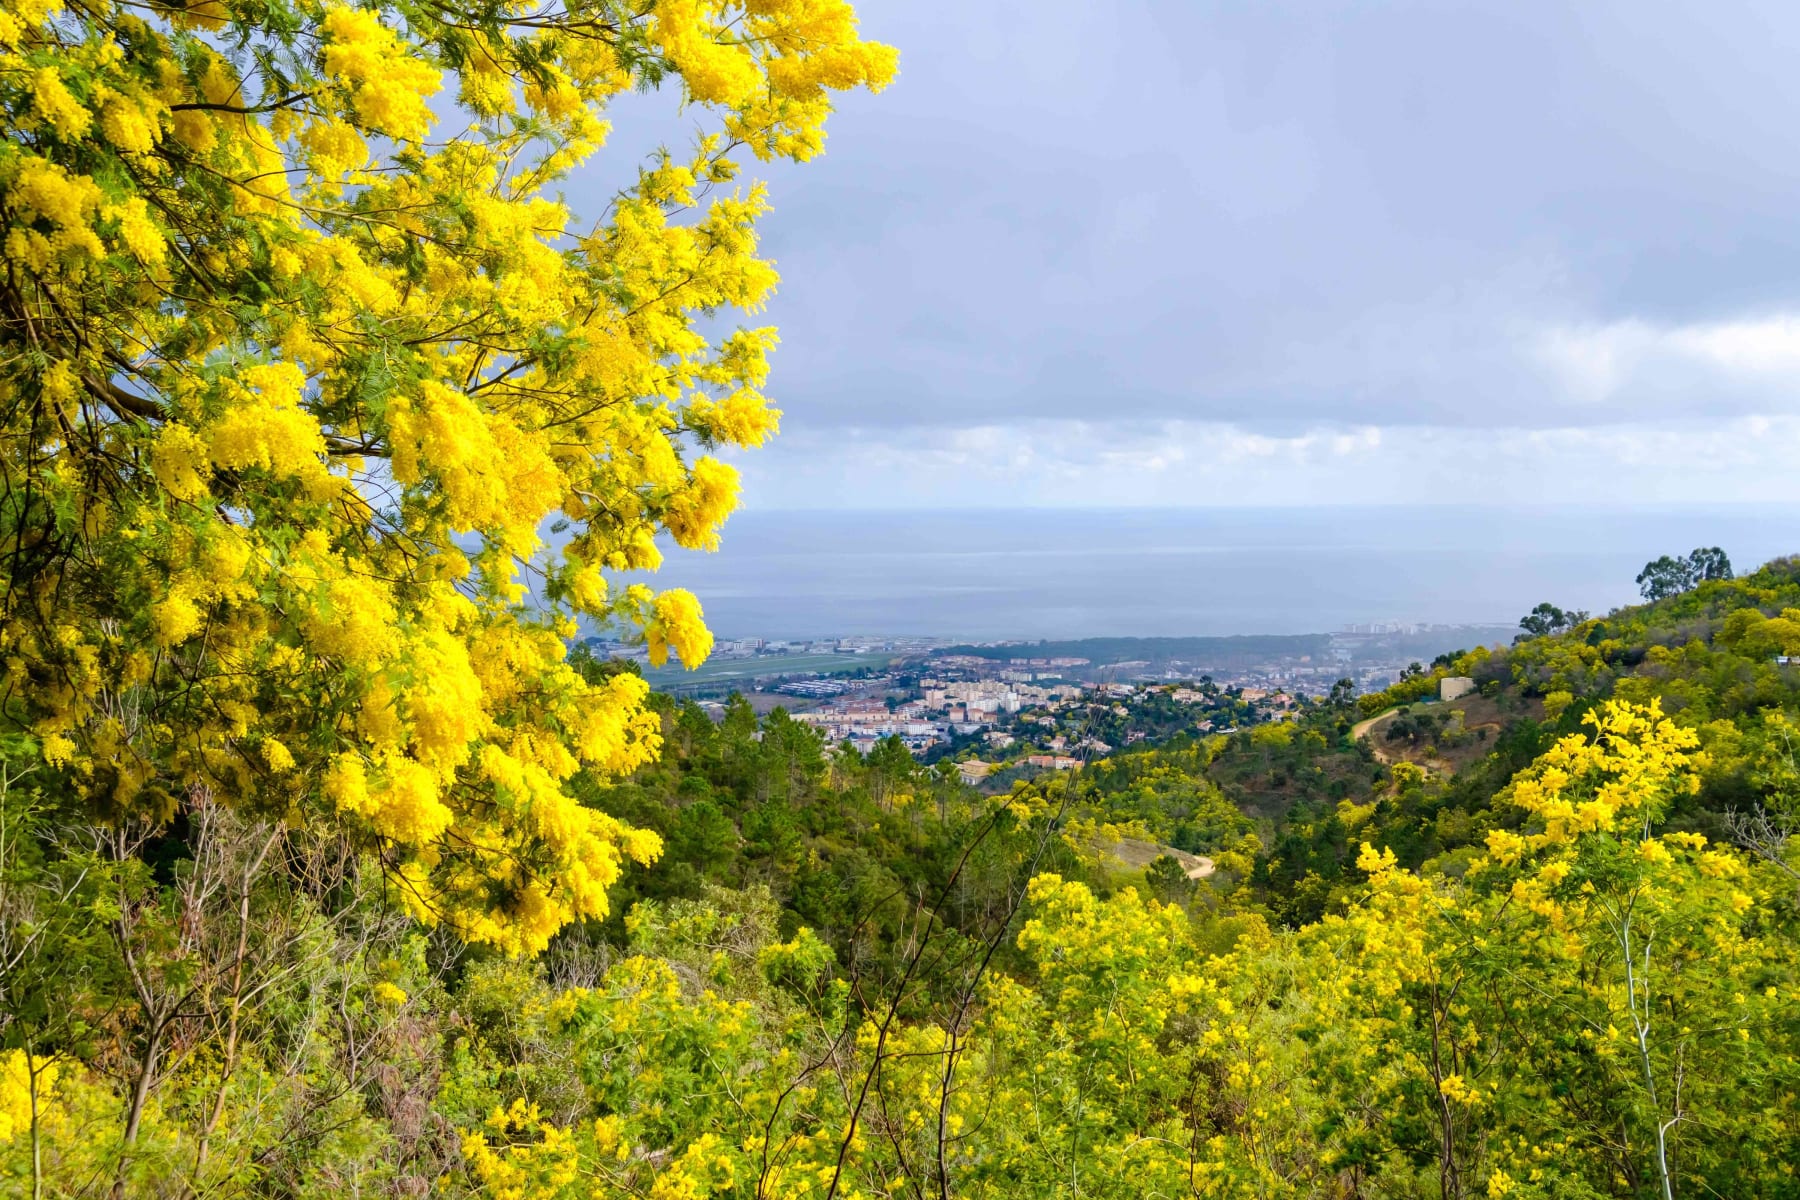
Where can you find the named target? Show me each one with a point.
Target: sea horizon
(1030, 574)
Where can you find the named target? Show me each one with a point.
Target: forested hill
(1549, 953)
(1707, 657)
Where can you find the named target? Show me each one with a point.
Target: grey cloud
(1278, 214)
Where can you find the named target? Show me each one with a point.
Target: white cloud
(1742, 366)
(1759, 347)
(1087, 464)
(1628, 411)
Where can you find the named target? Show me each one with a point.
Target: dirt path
(1360, 732)
(1134, 852)
(1450, 763)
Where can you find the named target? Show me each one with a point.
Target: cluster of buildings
(1052, 725)
(815, 689)
(1023, 724)
(1014, 703)
(1371, 655)
(961, 699)
(1008, 670)
(775, 648)
(944, 709)
(974, 770)
(863, 721)
(1055, 731)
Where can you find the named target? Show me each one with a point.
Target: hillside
(1707, 657)
(1445, 737)
(1268, 957)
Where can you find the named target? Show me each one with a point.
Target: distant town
(1018, 707)
(991, 728)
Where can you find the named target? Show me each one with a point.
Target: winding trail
(1135, 852)
(1360, 732)
(1437, 765)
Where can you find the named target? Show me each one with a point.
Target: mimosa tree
(301, 353)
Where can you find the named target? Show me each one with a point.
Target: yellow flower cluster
(265, 425)
(387, 82)
(679, 626)
(15, 1092)
(131, 123)
(389, 993)
(56, 106)
(771, 63)
(1635, 761)
(716, 66)
(308, 389)
(540, 1163)
(55, 216)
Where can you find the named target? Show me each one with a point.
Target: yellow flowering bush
(16, 1071)
(304, 359)
(520, 1155)
(1564, 988)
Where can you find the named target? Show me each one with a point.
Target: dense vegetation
(1551, 974)
(326, 870)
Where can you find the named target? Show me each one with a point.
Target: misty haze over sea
(1051, 573)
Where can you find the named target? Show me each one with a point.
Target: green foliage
(1707, 656)
(1404, 691)
(1547, 619)
(1669, 576)
(854, 976)
(846, 845)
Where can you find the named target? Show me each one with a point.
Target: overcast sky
(1124, 252)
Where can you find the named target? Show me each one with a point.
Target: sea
(1062, 573)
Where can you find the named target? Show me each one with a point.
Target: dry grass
(1480, 714)
(1139, 854)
